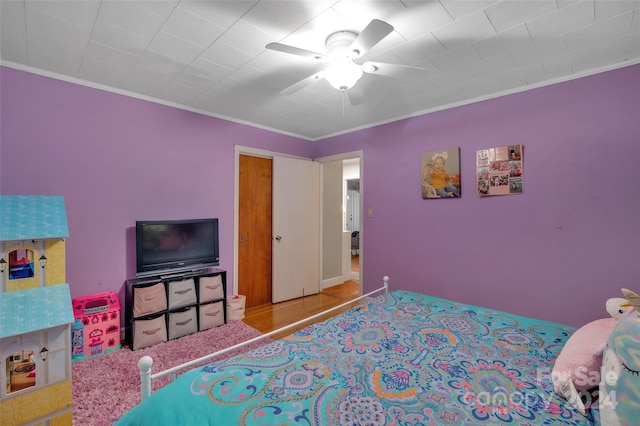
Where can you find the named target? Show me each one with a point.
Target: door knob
(277, 238)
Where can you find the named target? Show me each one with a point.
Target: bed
(401, 358)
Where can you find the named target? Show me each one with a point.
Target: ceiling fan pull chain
(344, 103)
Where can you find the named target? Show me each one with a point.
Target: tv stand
(171, 305)
(170, 276)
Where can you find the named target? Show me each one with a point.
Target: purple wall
(558, 250)
(117, 160)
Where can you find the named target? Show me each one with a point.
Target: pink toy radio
(97, 327)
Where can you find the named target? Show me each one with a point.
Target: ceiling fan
(344, 49)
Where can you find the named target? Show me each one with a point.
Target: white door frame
(346, 156)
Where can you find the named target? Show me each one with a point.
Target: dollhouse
(36, 314)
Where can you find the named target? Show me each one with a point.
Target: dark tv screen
(167, 246)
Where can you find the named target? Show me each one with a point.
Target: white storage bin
(149, 300)
(235, 307)
(182, 323)
(181, 293)
(148, 332)
(210, 288)
(211, 315)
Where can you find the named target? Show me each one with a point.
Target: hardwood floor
(269, 317)
(355, 263)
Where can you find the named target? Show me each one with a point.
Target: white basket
(235, 307)
(211, 315)
(181, 293)
(211, 288)
(182, 323)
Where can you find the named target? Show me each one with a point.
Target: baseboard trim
(334, 281)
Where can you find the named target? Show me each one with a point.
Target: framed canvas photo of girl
(441, 174)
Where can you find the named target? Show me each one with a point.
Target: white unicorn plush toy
(619, 398)
(577, 368)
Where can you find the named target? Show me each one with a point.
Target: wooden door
(296, 228)
(255, 229)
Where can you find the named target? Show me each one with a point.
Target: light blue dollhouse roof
(24, 217)
(35, 309)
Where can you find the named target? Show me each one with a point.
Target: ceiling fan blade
(295, 51)
(370, 36)
(303, 83)
(405, 72)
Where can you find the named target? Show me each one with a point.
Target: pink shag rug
(106, 387)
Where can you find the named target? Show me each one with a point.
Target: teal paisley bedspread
(401, 359)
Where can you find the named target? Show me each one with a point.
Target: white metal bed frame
(146, 362)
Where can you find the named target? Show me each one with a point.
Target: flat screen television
(165, 247)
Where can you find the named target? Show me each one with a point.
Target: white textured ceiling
(210, 56)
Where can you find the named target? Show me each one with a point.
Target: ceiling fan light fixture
(344, 75)
(338, 45)
(344, 49)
